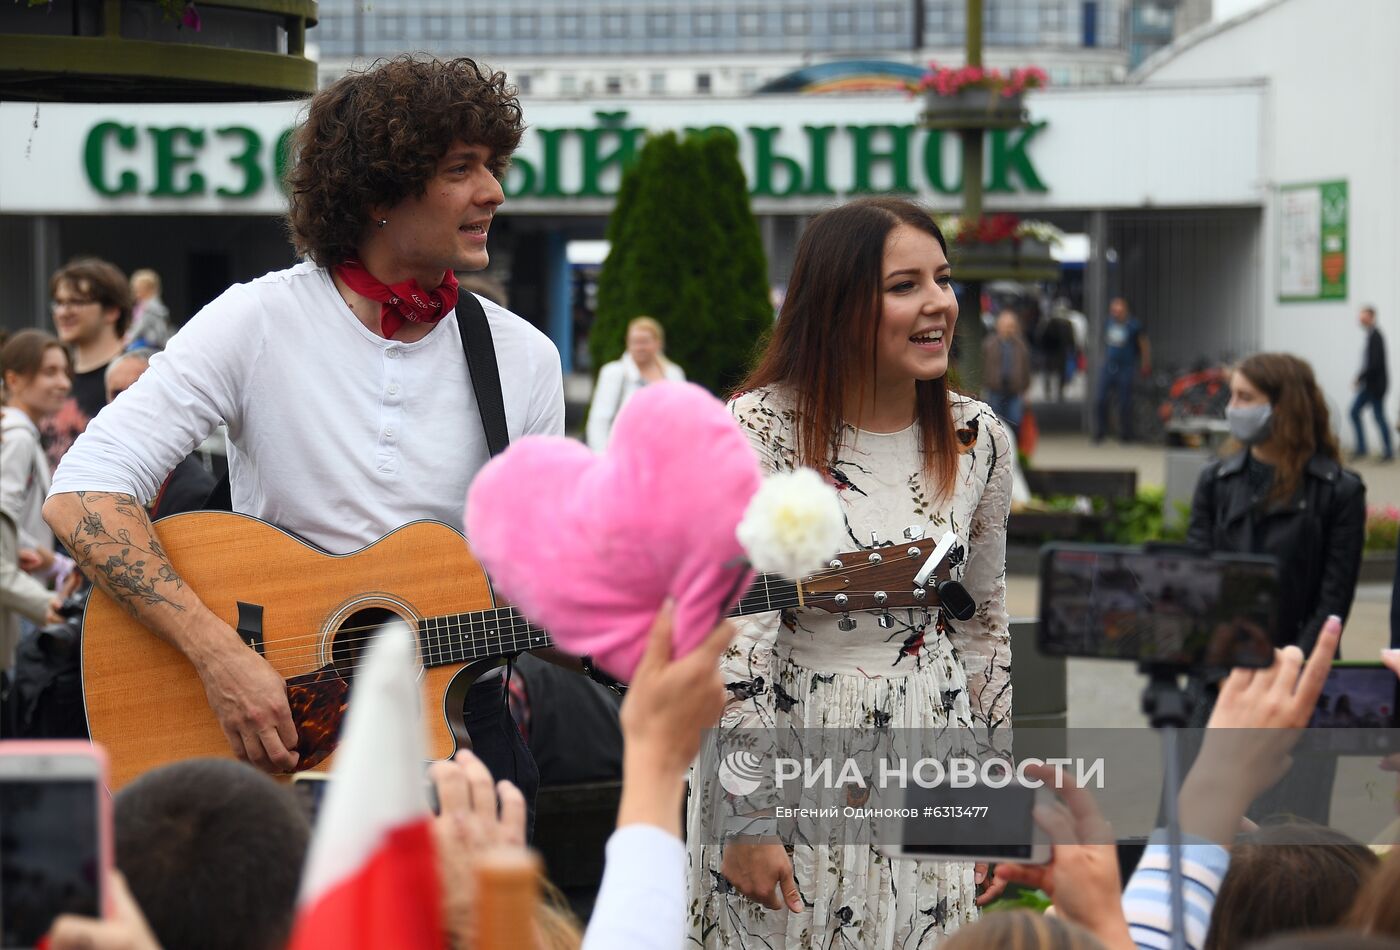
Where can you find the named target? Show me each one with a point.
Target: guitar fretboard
(500, 631)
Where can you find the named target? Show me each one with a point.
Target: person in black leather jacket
(1285, 493)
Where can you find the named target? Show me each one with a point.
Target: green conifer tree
(686, 251)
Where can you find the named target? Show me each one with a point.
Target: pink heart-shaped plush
(589, 546)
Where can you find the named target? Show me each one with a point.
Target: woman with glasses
(91, 304)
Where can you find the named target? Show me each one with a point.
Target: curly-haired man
(346, 394)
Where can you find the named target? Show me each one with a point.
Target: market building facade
(1239, 197)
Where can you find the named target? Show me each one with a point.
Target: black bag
(46, 691)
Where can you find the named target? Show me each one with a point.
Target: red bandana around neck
(404, 302)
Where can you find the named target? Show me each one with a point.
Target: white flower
(793, 524)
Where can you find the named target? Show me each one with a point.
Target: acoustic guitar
(311, 614)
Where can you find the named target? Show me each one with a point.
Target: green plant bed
(1134, 520)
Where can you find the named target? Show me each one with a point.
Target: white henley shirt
(336, 434)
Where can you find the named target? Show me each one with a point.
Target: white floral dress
(797, 670)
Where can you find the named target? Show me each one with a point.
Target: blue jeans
(1116, 380)
(1377, 404)
(1009, 406)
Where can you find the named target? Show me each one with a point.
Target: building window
(704, 24)
(1090, 13)
(482, 27)
(659, 24)
(570, 25)
(523, 83)
(750, 23)
(524, 26)
(843, 21)
(1052, 16)
(614, 24)
(1155, 17)
(391, 26)
(748, 80)
(887, 20)
(612, 85)
(437, 27)
(1003, 17)
(936, 16)
(657, 84)
(795, 22)
(702, 82)
(568, 84)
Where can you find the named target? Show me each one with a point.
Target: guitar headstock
(876, 579)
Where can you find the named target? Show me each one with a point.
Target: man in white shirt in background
(342, 380)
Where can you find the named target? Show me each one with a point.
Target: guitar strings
(492, 634)
(810, 599)
(507, 622)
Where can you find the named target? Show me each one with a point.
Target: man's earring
(383, 221)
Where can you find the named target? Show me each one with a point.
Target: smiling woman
(854, 385)
(36, 375)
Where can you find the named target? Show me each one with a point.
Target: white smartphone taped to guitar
(55, 836)
(980, 823)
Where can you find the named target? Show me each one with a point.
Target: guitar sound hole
(355, 635)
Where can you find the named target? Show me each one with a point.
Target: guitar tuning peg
(885, 620)
(845, 624)
(914, 532)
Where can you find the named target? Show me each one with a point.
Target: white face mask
(1250, 425)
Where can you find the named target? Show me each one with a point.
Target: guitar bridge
(250, 625)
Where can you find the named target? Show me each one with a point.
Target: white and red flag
(371, 877)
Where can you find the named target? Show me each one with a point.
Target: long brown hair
(1285, 877)
(824, 344)
(1376, 910)
(1299, 425)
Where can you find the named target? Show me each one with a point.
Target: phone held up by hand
(55, 836)
(1357, 712)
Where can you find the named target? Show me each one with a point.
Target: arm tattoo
(133, 575)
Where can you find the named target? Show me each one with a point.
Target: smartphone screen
(310, 790)
(1179, 609)
(50, 855)
(1358, 709)
(977, 822)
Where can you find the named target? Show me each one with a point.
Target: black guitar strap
(485, 374)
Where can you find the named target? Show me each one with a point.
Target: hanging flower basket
(972, 97)
(1025, 260)
(1001, 247)
(972, 108)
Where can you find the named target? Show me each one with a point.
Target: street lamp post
(971, 109)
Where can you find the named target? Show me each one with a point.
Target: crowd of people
(394, 183)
